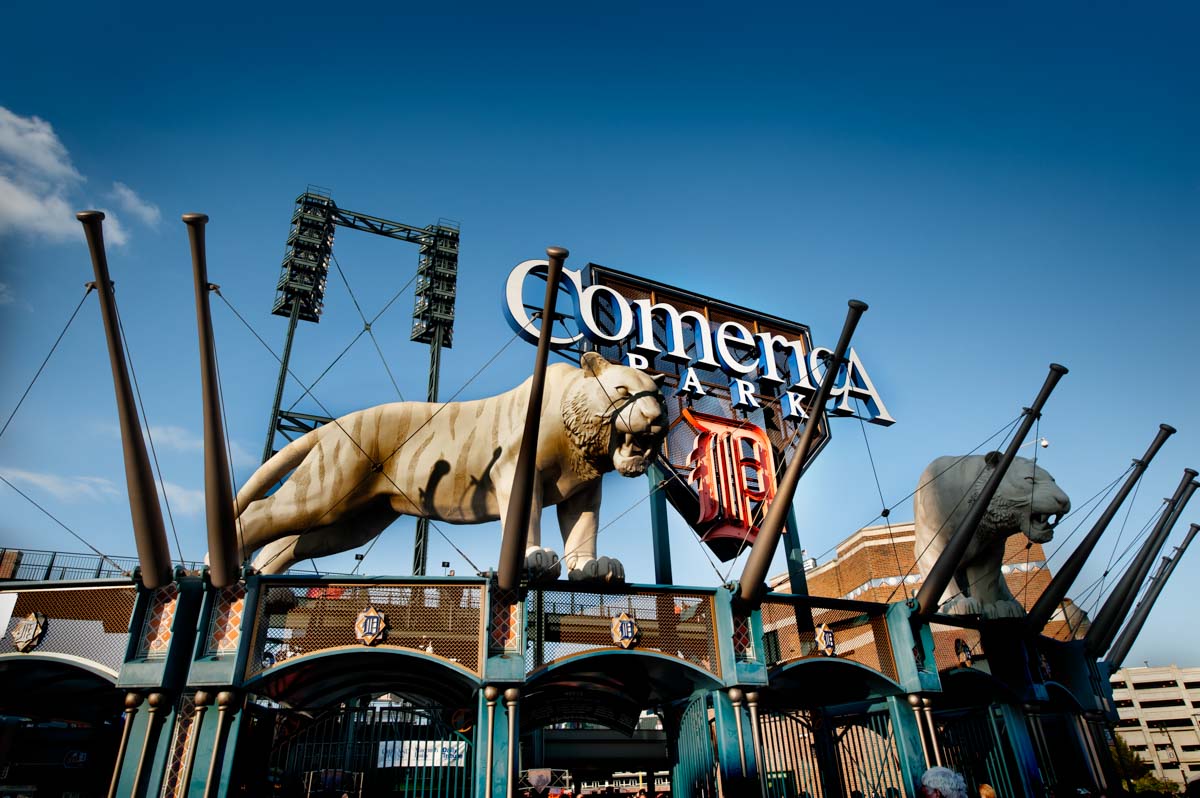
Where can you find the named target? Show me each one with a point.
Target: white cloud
(184, 501)
(127, 198)
(65, 488)
(181, 439)
(6, 295)
(39, 186)
(30, 145)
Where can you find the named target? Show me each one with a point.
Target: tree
(1152, 783)
(1128, 764)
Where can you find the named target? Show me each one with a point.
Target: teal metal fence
(694, 774)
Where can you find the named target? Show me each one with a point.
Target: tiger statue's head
(615, 417)
(1028, 501)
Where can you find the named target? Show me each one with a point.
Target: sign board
(752, 370)
(422, 754)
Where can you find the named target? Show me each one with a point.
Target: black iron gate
(367, 751)
(974, 741)
(807, 753)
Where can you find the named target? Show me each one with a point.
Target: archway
(827, 730)
(360, 721)
(620, 719)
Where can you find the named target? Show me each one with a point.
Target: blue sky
(1005, 187)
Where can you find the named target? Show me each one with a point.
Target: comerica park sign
(606, 317)
(737, 385)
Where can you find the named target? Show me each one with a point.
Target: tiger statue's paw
(604, 570)
(542, 565)
(962, 605)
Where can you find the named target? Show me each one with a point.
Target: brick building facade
(878, 563)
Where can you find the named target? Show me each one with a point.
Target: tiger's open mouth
(1041, 526)
(634, 450)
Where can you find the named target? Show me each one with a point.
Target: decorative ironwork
(370, 626)
(379, 750)
(826, 640)
(743, 639)
(506, 622)
(155, 638)
(225, 627)
(298, 617)
(174, 782)
(624, 630)
(91, 623)
(676, 623)
(28, 631)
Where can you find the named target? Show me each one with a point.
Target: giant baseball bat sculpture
(218, 487)
(516, 520)
(752, 588)
(1056, 591)
(149, 534)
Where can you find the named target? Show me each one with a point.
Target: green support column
(659, 534)
(149, 738)
(909, 749)
(1028, 772)
(735, 756)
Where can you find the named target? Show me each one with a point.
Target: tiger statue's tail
(275, 469)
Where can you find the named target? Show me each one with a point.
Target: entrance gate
(805, 753)
(694, 774)
(407, 750)
(974, 742)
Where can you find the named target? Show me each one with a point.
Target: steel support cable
(1006, 430)
(162, 483)
(73, 533)
(89, 288)
(1096, 587)
(1003, 430)
(376, 466)
(367, 325)
(1120, 533)
(885, 512)
(1121, 559)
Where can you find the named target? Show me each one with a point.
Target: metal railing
(791, 624)
(36, 565)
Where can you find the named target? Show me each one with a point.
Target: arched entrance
(828, 729)
(60, 724)
(617, 718)
(361, 722)
(974, 720)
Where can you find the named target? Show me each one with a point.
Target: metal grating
(293, 619)
(860, 636)
(174, 782)
(87, 622)
(567, 622)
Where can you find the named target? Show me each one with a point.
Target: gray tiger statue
(454, 462)
(1027, 502)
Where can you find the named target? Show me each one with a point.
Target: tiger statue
(454, 462)
(1028, 502)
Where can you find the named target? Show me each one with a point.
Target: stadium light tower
(300, 296)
